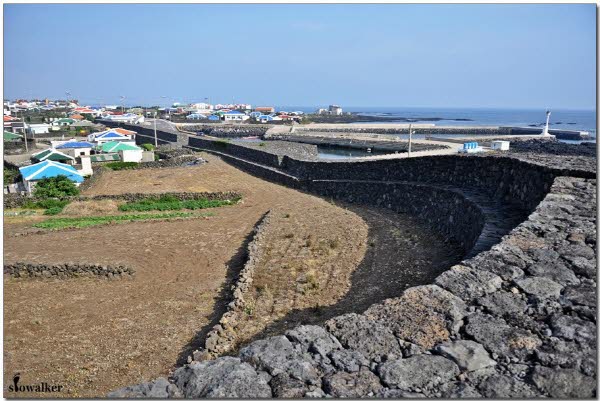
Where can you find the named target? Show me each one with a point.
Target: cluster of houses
(242, 112)
(74, 158)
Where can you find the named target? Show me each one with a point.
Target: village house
(53, 155)
(48, 169)
(127, 152)
(63, 122)
(235, 116)
(265, 110)
(36, 129)
(98, 138)
(76, 148)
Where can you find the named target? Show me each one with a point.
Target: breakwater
(389, 146)
(448, 130)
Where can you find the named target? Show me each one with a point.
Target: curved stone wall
(515, 321)
(448, 211)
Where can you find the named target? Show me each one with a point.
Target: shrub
(53, 210)
(121, 165)
(147, 146)
(55, 187)
(10, 175)
(52, 206)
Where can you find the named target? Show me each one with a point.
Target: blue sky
(511, 56)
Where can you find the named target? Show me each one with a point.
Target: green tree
(55, 187)
(147, 146)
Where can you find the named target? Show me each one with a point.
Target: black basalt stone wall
(254, 155)
(448, 211)
(502, 177)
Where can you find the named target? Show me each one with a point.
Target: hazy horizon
(469, 56)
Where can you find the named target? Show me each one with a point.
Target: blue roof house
(265, 118)
(235, 116)
(214, 117)
(195, 116)
(48, 169)
(76, 148)
(108, 136)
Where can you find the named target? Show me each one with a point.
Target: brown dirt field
(94, 335)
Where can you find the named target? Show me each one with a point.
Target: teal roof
(49, 169)
(51, 154)
(9, 136)
(117, 146)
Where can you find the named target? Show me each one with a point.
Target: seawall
(517, 320)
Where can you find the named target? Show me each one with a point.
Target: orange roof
(77, 117)
(9, 118)
(124, 131)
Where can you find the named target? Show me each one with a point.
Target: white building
(38, 128)
(335, 110)
(235, 116)
(201, 106)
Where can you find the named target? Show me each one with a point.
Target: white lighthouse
(545, 131)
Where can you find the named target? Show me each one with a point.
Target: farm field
(93, 335)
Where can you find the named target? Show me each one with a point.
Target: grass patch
(52, 206)
(121, 165)
(81, 222)
(167, 202)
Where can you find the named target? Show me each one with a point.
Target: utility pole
(24, 131)
(155, 137)
(409, 138)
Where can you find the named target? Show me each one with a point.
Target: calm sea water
(560, 119)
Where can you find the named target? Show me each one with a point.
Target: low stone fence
(17, 200)
(517, 321)
(222, 337)
(97, 172)
(66, 270)
(176, 161)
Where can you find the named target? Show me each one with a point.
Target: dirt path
(93, 336)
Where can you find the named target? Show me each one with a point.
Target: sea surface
(581, 120)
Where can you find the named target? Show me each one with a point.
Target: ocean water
(583, 120)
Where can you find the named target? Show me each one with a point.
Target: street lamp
(409, 138)
(24, 131)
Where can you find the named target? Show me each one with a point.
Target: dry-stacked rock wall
(66, 270)
(517, 321)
